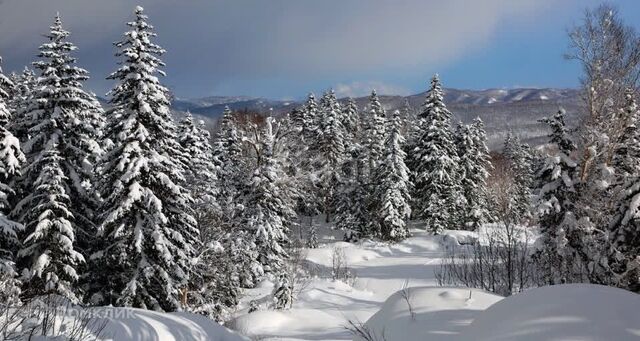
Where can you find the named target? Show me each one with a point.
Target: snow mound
(439, 313)
(453, 238)
(563, 312)
(353, 253)
(128, 324)
(266, 324)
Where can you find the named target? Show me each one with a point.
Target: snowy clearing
(431, 314)
(388, 273)
(582, 312)
(323, 309)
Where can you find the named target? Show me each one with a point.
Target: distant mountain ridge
(213, 106)
(502, 110)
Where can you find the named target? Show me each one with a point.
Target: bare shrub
(49, 316)
(299, 270)
(500, 263)
(500, 259)
(406, 295)
(340, 269)
(360, 330)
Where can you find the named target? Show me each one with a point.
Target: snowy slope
(374, 299)
(431, 314)
(148, 325)
(323, 309)
(562, 312)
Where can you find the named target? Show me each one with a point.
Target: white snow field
(394, 297)
(117, 324)
(153, 326)
(563, 312)
(435, 314)
(385, 274)
(324, 308)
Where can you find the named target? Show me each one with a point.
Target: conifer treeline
(127, 207)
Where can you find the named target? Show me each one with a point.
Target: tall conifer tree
(146, 227)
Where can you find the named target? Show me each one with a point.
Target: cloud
(211, 43)
(358, 89)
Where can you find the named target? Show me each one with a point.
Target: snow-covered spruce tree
(11, 159)
(519, 157)
(7, 90)
(309, 201)
(200, 171)
(352, 211)
(474, 166)
(283, 293)
(435, 165)
(214, 288)
(25, 84)
(408, 119)
(392, 184)
(58, 198)
(308, 118)
(147, 231)
(624, 235)
(266, 213)
(330, 150)
(373, 134)
(350, 120)
(213, 291)
(555, 204)
(228, 158)
(48, 252)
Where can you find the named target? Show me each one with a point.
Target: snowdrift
(562, 312)
(118, 324)
(147, 325)
(437, 313)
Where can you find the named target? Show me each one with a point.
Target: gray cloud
(213, 44)
(358, 89)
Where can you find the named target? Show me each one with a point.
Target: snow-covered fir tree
(309, 115)
(147, 231)
(373, 134)
(624, 235)
(350, 120)
(7, 90)
(283, 293)
(474, 166)
(214, 289)
(25, 84)
(435, 164)
(228, 158)
(392, 184)
(519, 157)
(408, 119)
(330, 150)
(305, 152)
(57, 194)
(49, 251)
(11, 160)
(266, 213)
(200, 169)
(555, 206)
(352, 211)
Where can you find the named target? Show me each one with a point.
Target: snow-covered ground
(391, 295)
(385, 274)
(140, 324)
(562, 312)
(323, 309)
(68, 322)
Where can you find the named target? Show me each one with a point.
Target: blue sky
(286, 48)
